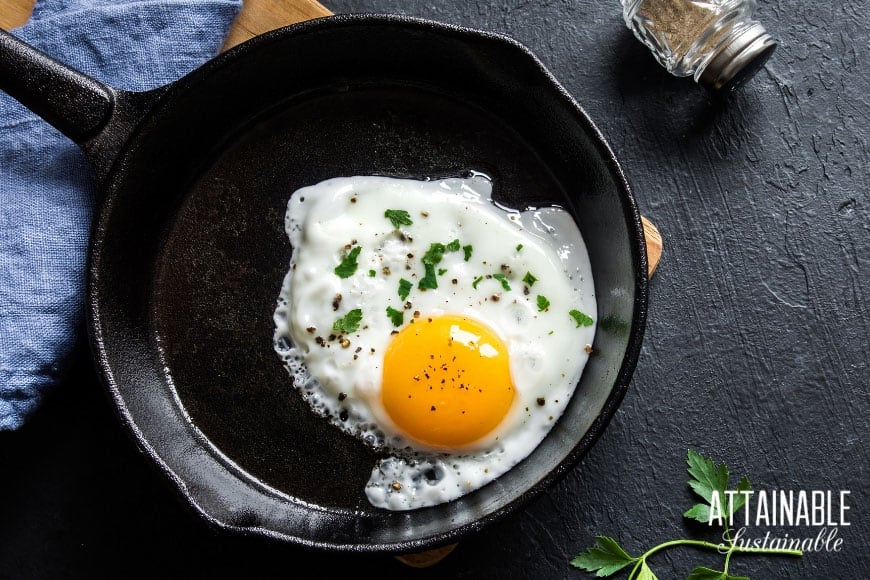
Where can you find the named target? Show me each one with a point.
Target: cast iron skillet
(188, 251)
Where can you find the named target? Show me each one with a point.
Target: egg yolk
(446, 381)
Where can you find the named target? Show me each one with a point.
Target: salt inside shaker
(715, 41)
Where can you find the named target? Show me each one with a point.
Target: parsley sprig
(397, 317)
(432, 258)
(348, 264)
(404, 288)
(607, 557)
(581, 318)
(398, 217)
(503, 280)
(348, 323)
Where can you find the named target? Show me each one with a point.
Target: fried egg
(439, 328)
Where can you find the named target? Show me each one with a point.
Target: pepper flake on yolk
(446, 381)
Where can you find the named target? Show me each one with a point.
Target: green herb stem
(665, 545)
(728, 557)
(711, 546)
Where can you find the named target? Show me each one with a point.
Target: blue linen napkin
(46, 191)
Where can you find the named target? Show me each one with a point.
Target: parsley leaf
(348, 265)
(404, 288)
(396, 316)
(543, 303)
(372, 273)
(606, 557)
(467, 251)
(702, 573)
(431, 258)
(429, 281)
(504, 283)
(519, 247)
(349, 323)
(398, 217)
(434, 254)
(740, 499)
(476, 282)
(708, 479)
(580, 318)
(646, 573)
(699, 512)
(529, 280)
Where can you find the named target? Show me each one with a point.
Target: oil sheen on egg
(439, 328)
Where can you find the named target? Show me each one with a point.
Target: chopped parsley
(504, 283)
(348, 264)
(580, 318)
(529, 279)
(434, 254)
(476, 282)
(396, 316)
(429, 281)
(467, 251)
(519, 247)
(404, 288)
(372, 273)
(348, 323)
(398, 217)
(543, 303)
(432, 258)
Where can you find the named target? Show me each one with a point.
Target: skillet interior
(189, 255)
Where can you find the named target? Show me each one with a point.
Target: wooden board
(14, 13)
(257, 17)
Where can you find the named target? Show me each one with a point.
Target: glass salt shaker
(715, 41)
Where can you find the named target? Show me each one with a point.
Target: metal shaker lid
(738, 60)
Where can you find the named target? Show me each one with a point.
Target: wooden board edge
(260, 16)
(654, 245)
(16, 13)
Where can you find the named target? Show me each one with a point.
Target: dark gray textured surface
(756, 349)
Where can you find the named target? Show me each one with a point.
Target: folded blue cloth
(46, 192)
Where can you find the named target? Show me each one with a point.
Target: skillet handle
(76, 104)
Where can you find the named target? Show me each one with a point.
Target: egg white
(340, 374)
